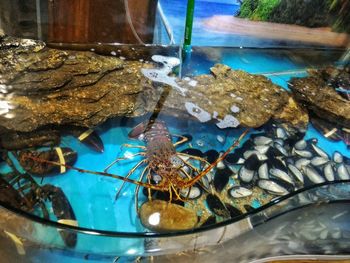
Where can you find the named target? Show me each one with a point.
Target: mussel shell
(337, 157)
(297, 174)
(329, 172)
(318, 161)
(234, 212)
(279, 142)
(302, 162)
(272, 187)
(211, 155)
(300, 145)
(281, 133)
(232, 158)
(262, 149)
(282, 151)
(245, 175)
(211, 220)
(249, 153)
(293, 139)
(252, 163)
(262, 140)
(313, 175)
(272, 153)
(263, 171)
(303, 153)
(277, 164)
(94, 142)
(221, 178)
(319, 151)
(191, 193)
(193, 151)
(342, 172)
(41, 168)
(239, 192)
(282, 175)
(216, 206)
(88, 137)
(248, 144)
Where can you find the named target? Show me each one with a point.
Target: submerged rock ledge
(318, 94)
(41, 86)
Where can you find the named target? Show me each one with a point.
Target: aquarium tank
(174, 130)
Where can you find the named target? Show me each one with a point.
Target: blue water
(93, 197)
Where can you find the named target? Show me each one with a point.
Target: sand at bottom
(267, 30)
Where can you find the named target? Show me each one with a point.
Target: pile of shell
(280, 163)
(273, 162)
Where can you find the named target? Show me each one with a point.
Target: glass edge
(84, 230)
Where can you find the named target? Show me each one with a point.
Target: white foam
(234, 109)
(192, 83)
(198, 112)
(161, 74)
(228, 122)
(168, 62)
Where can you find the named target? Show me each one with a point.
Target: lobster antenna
(203, 173)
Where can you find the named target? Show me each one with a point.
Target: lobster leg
(122, 158)
(128, 175)
(119, 177)
(194, 158)
(211, 166)
(183, 139)
(44, 210)
(172, 187)
(138, 189)
(133, 146)
(195, 169)
(189, 177)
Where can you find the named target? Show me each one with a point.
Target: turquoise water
(93, 197)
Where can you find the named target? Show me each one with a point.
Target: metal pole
(38, 20)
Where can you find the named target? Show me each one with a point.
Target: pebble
(162, 216)
(220, 138)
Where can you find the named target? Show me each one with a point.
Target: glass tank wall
(200, 131)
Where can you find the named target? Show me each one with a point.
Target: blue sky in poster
(175, 12)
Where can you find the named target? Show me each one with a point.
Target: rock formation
(318, 94)
(41, 86)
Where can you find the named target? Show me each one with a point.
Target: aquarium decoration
(91, 83)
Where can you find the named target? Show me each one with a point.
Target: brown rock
(257, 98)
(321, 99)
(292, 113)
(163, 216)
(49, 87)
